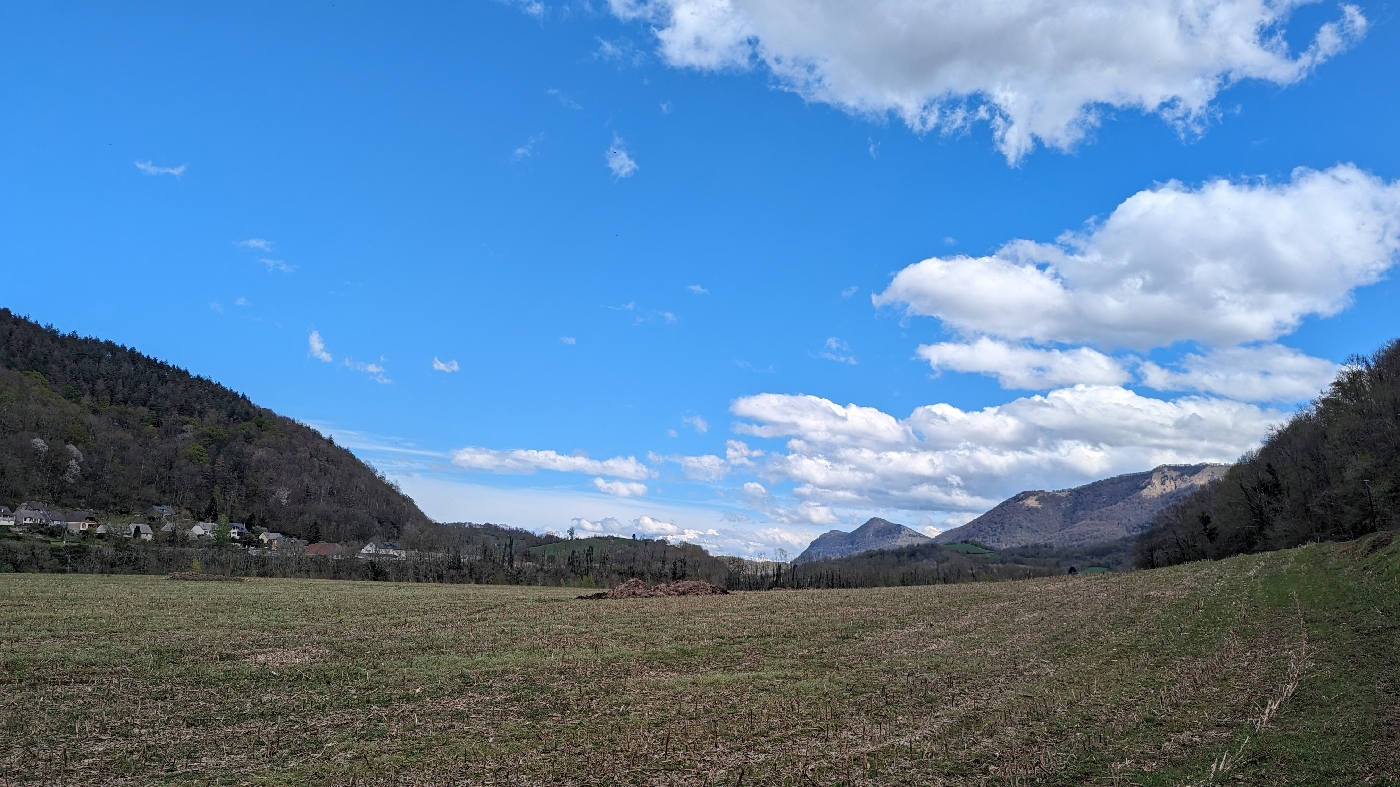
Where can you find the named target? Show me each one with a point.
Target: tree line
(1330, 474)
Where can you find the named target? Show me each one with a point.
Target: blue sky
(771, 271)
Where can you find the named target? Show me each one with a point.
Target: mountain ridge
(875, 534)
(1097, 512)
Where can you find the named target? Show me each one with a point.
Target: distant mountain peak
(1102, 511)
(875, 534)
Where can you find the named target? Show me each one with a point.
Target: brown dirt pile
(190, 576)
(635, 588)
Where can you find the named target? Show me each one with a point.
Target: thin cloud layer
(522, 460)
(149, 168)
(1266, 373)
(1036, 72)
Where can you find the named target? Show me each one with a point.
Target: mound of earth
(636, 588)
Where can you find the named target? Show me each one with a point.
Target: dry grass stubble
(1138, 678)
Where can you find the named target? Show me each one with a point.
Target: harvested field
(1265, 670)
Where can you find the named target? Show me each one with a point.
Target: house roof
(324, 549)
(381, 546)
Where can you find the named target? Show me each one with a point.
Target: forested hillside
(1330, 474)
(86, 423)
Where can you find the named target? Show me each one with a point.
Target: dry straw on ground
(1152, 678)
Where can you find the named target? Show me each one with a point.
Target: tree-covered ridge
(1332, 473)
(86, 423)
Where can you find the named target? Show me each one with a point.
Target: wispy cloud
(216, 306)
(621, 164)
(620, 488)
(317, 347)
(698, 289)
(836, 350)
(564, 100)
(569, 340)
(374, 370)
(241, 302)
(151, 169)
(640, 316)
(260, 244)
(450, 366)
(667, 108)
(276, 265)
(522, 460)
(528, 149)
(849, 291)
(533, 8)
(699, 424)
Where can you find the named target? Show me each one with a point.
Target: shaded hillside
(876, 533)
(1332, 473)
(937, 564)
(86, 423)
(1103, 511)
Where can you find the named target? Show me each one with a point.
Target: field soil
(1259, 670)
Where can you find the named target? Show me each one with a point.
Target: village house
(323, 549)
(238, 531)
(141, 531)
(272, 540)
(79, 522)
(7, 517)
(36, 515)
(201, 530)
(390, 550)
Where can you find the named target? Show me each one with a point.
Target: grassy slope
(1145, 678)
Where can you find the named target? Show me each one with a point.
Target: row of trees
(1331, 473)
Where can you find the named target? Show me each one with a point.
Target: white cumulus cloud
(1226, 263)
(317, 347)
(1017, 366)
(1035, 71)
(945, 458)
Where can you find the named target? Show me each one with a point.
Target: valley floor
(1267, 669)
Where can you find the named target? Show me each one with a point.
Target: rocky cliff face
(874, 534)
(1091, 514)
